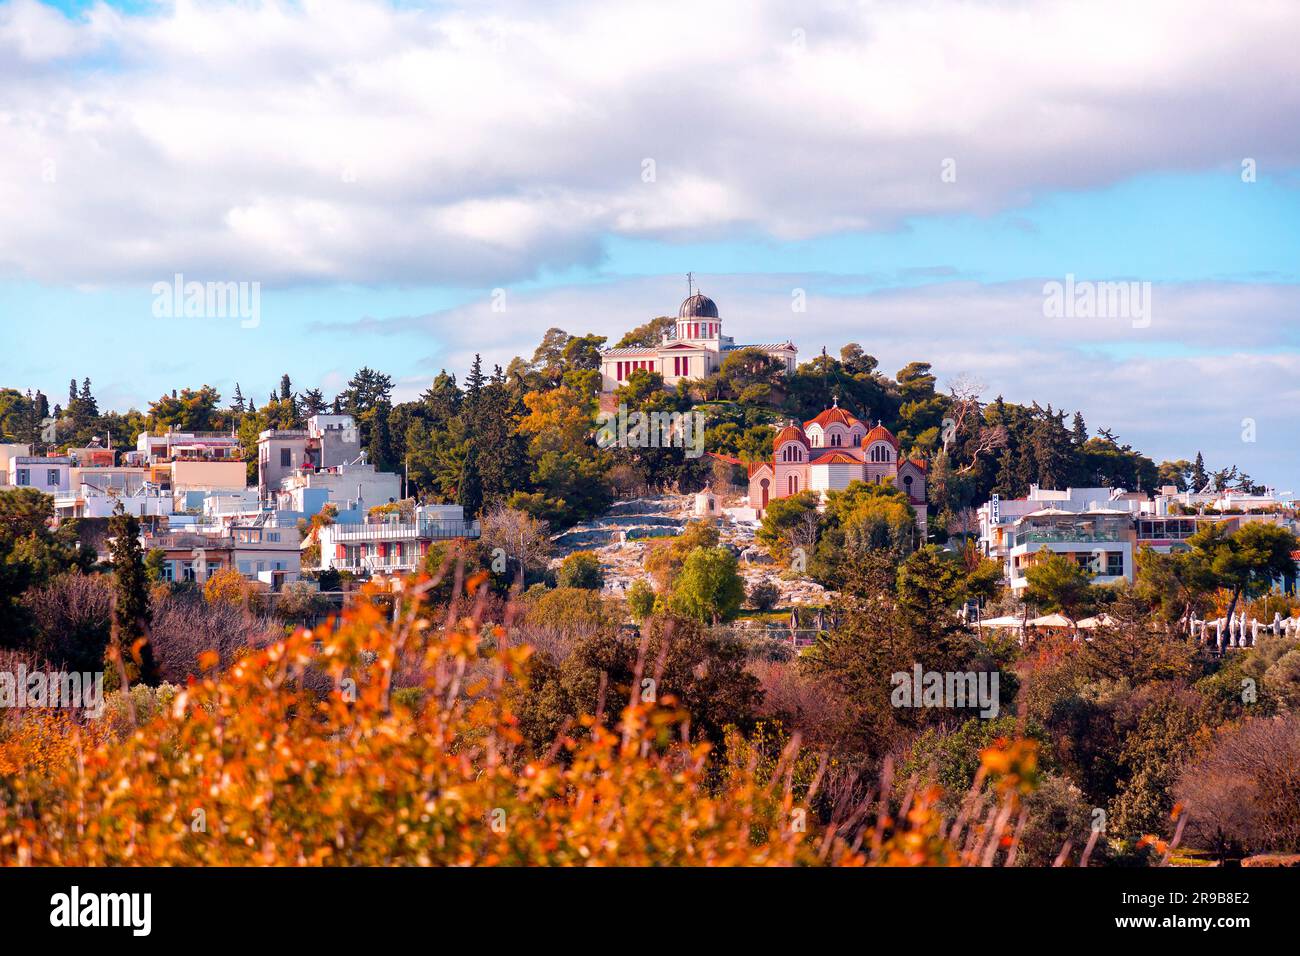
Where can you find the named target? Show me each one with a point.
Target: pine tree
(312, 402)
(72, 393)
(469, 493)
(1079, 432)
(87, 397)
(442, 399)
(379, 449)
(237, 405)
(131, 610)
(502, 457)
(286, 386)
(473, 389)
(1199, 476)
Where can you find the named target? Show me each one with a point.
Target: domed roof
(879, 433)
(789, 433)
(833, 416)
(698, 306)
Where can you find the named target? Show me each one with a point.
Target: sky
(407, 184)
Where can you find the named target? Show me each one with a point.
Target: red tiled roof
(789, 433)
(879, 433)
(836, 458)
(919, 463)
(833, 416)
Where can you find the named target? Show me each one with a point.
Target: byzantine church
(829, 452)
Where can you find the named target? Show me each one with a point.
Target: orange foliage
(300, 754)
(225, 584)
(39, 740)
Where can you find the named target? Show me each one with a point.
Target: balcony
(1065, 536)
(372, 563)
(410, 531)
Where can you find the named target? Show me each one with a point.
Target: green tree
(1245, 561)
(640, 600)
(709, 588)
(1057, 582)
(193, 410)
(763, 595)
(31, 554)
(131, 610)
(790, 523)
(582, 569)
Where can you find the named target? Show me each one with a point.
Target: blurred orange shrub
(302, 754)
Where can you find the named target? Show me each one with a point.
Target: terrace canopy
(1101, 620)
(1009, 620)
(1051, 620)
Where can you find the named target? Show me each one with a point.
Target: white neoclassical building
(694, 349)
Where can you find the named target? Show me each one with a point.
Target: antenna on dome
(690, 284)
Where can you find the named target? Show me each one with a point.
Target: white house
(391, 545)
(50, 475)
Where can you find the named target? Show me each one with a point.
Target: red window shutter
(340, 551)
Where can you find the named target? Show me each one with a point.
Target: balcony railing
(1065, 536)
(433, 530)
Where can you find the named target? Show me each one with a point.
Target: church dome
(698, 306)
(791, 432)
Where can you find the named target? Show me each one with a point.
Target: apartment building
(255, 549)
(92, 499)
(1101, 540)
(1105, 528)
(998, 516)
(328, 443)
(392, 545)
(185, 461)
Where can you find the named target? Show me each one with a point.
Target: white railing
(432, 530)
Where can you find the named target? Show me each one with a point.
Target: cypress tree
(131, 611)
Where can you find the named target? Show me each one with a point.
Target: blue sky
(379, 170)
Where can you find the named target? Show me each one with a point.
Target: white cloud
(356, 141)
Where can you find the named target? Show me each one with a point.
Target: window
(1115, 563)
(791, 453)
(52, 477)
(881, 452)
(24, 477)
(836, 439)
(794, 484)
(286, 457)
